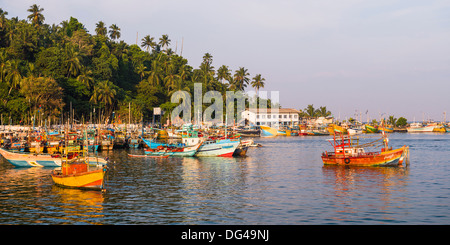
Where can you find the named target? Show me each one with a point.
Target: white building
(272, 118)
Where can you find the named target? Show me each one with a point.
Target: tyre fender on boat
(347, 160)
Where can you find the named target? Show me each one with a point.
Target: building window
(263, 116)
(257, 116)
(269, 116)
(290, 116)
(285, 116)
(279, 116)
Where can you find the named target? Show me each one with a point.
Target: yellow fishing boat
(267, 131)
(439, 129)
(75, 171)
(78, 175)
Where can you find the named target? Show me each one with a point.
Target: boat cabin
(352, 151)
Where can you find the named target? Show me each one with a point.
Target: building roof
(269, 110)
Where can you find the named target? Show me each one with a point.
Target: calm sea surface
(283, 182)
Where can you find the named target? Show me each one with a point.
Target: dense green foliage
(47, 69)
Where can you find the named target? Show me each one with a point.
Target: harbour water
(283, 182)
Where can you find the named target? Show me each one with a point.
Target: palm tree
(2, 18)
(258, 82)
(207, 59)
(114, 31)
(140, 69)
(164, 41)
(36, 17)
(154, 77)
(72, 61)
(223, 73)
(148, 42)
(241, 79)
(171, 79)
(104, 93)
(101, 29)
(13, 77)
(310, 111)
(86, 77)
(392, 120)
(322, 112)
(232, 84)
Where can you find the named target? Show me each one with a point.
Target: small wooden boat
(185, 151)
(386, 129)
(371, 129)
(347, 151)
(75, 172)
(267, 131)
(22, 159)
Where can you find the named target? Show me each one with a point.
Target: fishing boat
(420, 128)
(440, 128)
(213, 146)
(333, 128)
(52, 143)
(35, 143)
(218, 148)
(347, 151)
(386, 129)
(26, 159)
(184, 151)
(267, 131)
(242, 149)
(75, 172)
(371, 129)
(92, 140)
(106, 140)
(119, 139)
(355, 131)
(249, 131)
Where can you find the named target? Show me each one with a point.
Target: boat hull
(268, 131)
(389, 158)
(371, 129)
(187, 151)
(88, 180)
(420, 129)
(41, 160)
(221, 148)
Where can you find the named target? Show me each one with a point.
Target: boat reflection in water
(79, 206)
(373, 189)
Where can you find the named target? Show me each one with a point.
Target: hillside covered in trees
(45, 68)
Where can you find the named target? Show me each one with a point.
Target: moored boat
(420, 128)
(386, 129)
(371, 129)
(185, 151)
(218, 148)
(267, 131)
(347, 151)
(75, 171)
(23, 159)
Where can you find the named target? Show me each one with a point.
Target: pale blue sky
(387, 57)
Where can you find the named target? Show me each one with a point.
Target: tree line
(45, 70)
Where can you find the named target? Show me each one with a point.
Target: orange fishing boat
(348, 151)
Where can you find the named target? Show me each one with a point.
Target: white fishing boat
(420, 128)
